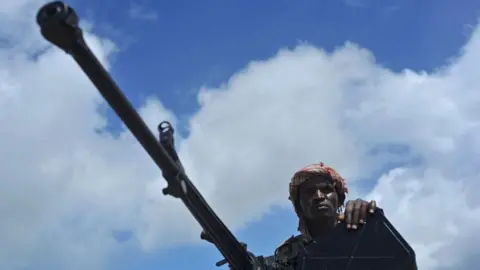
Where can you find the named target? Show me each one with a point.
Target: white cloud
(64, 187)
(140, 12)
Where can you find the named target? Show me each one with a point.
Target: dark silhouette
(318, 193)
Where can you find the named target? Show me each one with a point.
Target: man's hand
(356, 212)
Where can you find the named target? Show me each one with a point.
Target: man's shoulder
(293, 240)
(288, 250)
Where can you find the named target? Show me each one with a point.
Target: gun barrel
(59, 25)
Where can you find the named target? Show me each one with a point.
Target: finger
(348, 213)
(372, 207)
(363, 212)
(356, 213)
(341, 218)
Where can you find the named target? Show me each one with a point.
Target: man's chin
(325, 214)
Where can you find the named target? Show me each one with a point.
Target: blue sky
(187, 44)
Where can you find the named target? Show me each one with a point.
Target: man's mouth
(322, 207)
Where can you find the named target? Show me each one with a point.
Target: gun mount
(59, 24)
(377, 246)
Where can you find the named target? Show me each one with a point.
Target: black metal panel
(376, 246)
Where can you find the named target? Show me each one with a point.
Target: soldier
(318, 194)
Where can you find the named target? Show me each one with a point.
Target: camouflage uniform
(286, 254)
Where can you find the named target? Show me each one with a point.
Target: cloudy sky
(384, 91)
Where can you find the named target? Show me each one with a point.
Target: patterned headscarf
(306, 173)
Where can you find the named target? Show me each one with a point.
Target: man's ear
(299, 209)
(341, 197)
(299, 206)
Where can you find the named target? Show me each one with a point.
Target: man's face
(318, 198)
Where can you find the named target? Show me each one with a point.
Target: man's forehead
(318, 179)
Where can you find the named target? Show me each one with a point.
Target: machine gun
(59, 25)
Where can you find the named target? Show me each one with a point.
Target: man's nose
(319, 195)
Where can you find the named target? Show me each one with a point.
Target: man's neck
(321, 227)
